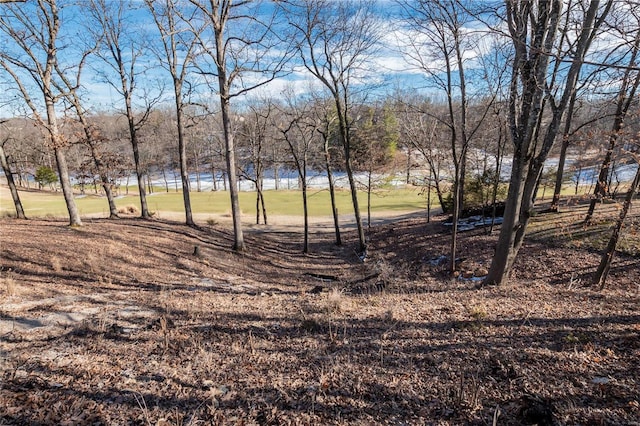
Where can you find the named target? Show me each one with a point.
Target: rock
(481, 272)
(465, 265)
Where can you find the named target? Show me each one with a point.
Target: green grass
(288, 203)
(282, 202)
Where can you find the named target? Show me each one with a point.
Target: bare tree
(245, 52)
(298, 126)
(33, 59)
(337, 42)
(327, 119)
(255, 131)
(123, 53)
(8, 173)
(179, 30)
(441, 54)
(626, 98)
(604, 267)
(92, 136)
(375, 145)
(534, 28)
(420, 130)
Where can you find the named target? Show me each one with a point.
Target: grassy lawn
(287, 203)
(281, 202)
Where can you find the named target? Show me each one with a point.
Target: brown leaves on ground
(118, 322)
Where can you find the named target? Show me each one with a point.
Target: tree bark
(528, 96)
(12, 185)
(625, 100)
(182, 153)
(332, 190)
(506, 249)
(67, 188)
(555, 202)
(230, 155)
(369, 189)
(140, 175)
(61, 163)
(305, 211)
(346, 145)
(602, 273)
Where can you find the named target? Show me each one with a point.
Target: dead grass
(129, 209)
(56, 264)
(9, 286)
(273, 336)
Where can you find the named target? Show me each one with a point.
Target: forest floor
(119, 322)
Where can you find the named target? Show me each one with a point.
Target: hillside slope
(118, 322)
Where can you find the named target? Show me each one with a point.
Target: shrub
(45, 175)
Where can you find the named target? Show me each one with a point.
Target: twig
(496, 414)
(143, 406)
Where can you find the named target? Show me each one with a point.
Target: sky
(390, 68)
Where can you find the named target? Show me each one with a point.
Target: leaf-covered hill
(119, 322)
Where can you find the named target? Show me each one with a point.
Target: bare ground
(118, 322)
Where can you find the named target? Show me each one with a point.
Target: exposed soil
(119, 322)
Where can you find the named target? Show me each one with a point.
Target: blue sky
(388, 65)
(390, 69)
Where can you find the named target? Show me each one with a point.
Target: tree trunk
(506, 246)
(408, 178)
(362, 246)
(528, 97)
(602, 188)
(12, 185)
(305, 212)
(257, 206)
(238, 244)
(496, 181)
(369, 201)
(182, 153)
(332, 192)
(196, 160)
(260, 204)
(563, 156)
(67, 188)
(264, 207)
(453, 245)
(607, 257)
(214, 180)
(625, 100)
(429, 198)
(166, 182)
(142, 193)
(108, 192)
(436, 184)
